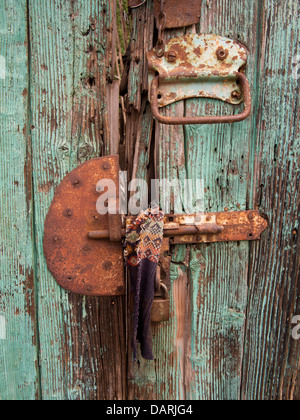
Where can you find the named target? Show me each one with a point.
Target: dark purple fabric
(143, 283)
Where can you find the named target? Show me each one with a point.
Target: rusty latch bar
(196, 66)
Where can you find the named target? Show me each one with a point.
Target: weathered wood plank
(271, 361)
(18, 330)
(82, 339)
(220, 155)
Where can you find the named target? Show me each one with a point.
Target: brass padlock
(160, 311)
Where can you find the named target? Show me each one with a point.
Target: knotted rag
(143, 243)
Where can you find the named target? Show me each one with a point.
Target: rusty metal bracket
(83, 249)
(199, 66)
(135, 3)
(205, 227)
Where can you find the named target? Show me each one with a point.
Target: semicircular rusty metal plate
(79, 264)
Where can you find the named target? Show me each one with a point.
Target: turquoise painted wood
(232, 305)
(19, 377)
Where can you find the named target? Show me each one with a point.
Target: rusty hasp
(197, 66)
(178, 13)
(215, 227)
(78, 263)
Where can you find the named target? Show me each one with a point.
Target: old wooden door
(233, 305)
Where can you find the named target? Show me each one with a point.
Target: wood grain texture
(19, 374)
(271, 361)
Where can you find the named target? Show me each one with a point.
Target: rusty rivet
(76, 182)
(55, 239)
(250, 216)
(172, 56)
(222, 54)
(236, 94)
(208, 218)
(105, 166)
(198, 238)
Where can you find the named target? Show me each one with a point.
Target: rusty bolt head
(55, 238)
(236, 94)
(251, 216)
(68, 213)
(172, 56)
(222, 54)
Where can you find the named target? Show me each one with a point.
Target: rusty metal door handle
(154, 96)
